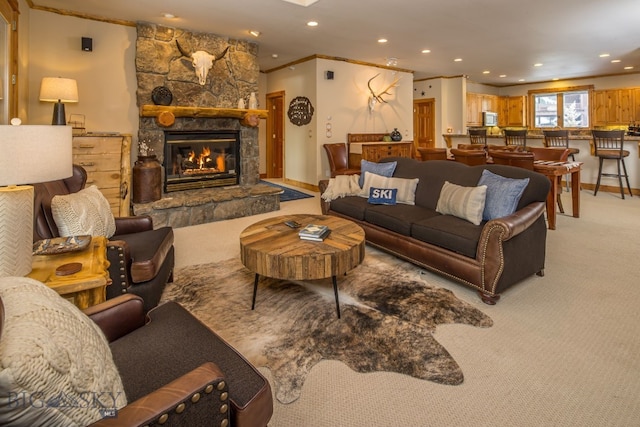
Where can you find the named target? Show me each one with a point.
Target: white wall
(106, 77)
(342, 103)
(450, 99)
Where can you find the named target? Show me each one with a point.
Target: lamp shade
(28, 154)
(34, 153)
(54, 89)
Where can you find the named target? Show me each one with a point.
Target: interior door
(275, 135)
(424, 118)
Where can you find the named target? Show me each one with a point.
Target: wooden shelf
(165, 115)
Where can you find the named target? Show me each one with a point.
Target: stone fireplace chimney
(160, 64)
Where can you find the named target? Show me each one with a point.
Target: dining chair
(432, 153)
(521, 159)
(515, 137)
(557, 154)
(469, 157)
(609, 145)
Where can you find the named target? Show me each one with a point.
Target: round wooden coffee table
(271, 248)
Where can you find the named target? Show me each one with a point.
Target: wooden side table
(85, 288)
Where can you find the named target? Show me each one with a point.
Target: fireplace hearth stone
(193, 207)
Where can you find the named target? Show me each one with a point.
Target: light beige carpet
(563, 351)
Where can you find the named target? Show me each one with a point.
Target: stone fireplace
(221, 194)
(200, 159)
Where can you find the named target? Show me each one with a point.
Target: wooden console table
(85, 288)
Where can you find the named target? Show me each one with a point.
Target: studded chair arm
(118, 316)
(199, 396)
(119, 257)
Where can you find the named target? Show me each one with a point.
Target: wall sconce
(58, 90)
(28, 155)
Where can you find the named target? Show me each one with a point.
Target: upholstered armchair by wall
(338, 157)
(141, 258)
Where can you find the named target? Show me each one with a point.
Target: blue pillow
(382, 196)
(503, 194)
(382, 169)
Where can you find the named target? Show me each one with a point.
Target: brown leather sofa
(141, 258)
(489, 257)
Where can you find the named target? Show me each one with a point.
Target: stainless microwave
(489, 118)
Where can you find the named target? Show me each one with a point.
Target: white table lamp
(28, 155)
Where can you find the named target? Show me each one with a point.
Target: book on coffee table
(314, 232)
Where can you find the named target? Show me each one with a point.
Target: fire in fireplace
(201, 159)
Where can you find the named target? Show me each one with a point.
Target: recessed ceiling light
(312, 24)
(604, 55)
(426, 50)
(168, 15)
(521, 80)
(538, 64)
(502, 75)
(457, 60)
(274, 55)
(555, 79)
(486, 72)
(628, 67)
(614, 61)
(382, 40)
(254, 33)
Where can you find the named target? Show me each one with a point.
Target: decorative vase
(395, 135)
(253, 101)
(147, 180)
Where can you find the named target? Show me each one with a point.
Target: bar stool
(478, 136)
(559, 138)
(609, 145)
(515, 137)
(432, 153)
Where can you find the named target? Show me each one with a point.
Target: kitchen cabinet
(613, 106)
(107, 159)
(512, 111)
(477, 103)
(636, 105)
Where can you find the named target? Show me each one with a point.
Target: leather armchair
(141, 258)
(338, 157)
(176, 371)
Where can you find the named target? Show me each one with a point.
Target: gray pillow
(503, 194)
(382, 169)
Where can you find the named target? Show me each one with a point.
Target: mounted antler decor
(374, 99)
(202, 61)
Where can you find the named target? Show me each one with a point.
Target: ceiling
(504, 37)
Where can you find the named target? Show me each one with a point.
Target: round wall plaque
(300, 111)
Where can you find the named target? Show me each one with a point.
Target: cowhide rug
(388, 317)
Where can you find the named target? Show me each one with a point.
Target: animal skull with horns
(202, 61)
(374, 99)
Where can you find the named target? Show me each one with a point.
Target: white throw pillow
(84, 212)
(406, 187)
(462, 202)
(341, 186)
(56, 366)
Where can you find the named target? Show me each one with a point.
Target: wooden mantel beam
(164, 113)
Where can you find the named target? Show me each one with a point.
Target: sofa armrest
(322, 187)
(133, 224)
(517, 222)
(198, 396)
(118, 316)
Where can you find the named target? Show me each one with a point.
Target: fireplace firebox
(201, 159)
